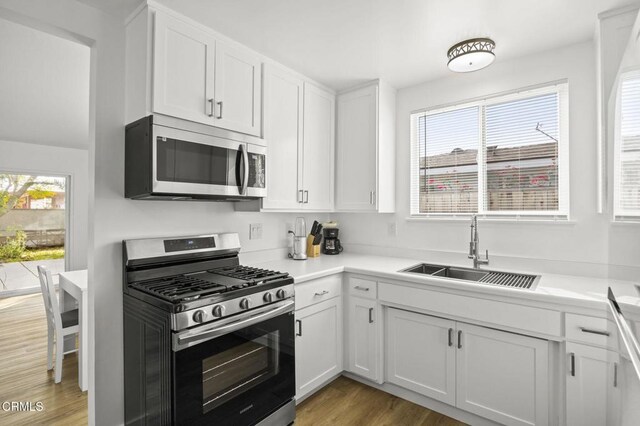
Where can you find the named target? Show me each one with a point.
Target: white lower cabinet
(502, 376)
(364, 338)
(592, 384)
(421, 355)
(318, 331)
(495, 374)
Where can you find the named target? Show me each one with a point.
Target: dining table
(73, 291)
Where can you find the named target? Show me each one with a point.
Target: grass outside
(43, 253)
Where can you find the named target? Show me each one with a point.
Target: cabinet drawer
(316, 291)
(363, 288)
(591, 330)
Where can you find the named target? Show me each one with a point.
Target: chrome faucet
(474, 246)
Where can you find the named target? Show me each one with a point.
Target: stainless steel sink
(484, 276)
(461, 274)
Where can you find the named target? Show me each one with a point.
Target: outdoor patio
(18, 278)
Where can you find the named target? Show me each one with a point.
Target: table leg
(83, 364)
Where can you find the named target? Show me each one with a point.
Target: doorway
(33, 229)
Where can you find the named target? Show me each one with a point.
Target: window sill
(512, 221)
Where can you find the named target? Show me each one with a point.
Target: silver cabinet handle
(615, 374)
(374, 197)
(370, 197)
(451, 337)
(322, 293)
(572, 364)
(300, 195)
(219, 116)
(592, 331)
(299, 333)
(361, 288)
(210, 101)
(459, 339)
(370, 315)
(306, 197)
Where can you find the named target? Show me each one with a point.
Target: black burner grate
(251, 275)
(179, 287)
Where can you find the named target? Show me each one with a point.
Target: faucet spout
(474, 245)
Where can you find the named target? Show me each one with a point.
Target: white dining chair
(59, 324)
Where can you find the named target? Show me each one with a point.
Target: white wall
(580, 246)
(41, 159)
(44, 79)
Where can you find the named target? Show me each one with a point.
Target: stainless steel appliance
(206, 340)
(171, 159)
(331, 243)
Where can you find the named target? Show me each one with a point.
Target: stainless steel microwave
(171, 159)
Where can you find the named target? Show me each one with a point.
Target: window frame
(619, 215)
(560, 87)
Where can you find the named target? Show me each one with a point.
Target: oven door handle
(189, 338)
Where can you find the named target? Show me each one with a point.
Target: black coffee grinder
(331, 243)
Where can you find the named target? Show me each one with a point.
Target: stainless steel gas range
(206, 340)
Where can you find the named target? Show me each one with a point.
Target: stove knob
(245, 303)
(198, 316)
(268, 297)
(281, 294)
(218, 311)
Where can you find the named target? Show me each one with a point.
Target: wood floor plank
(23, 368)
(346, 402)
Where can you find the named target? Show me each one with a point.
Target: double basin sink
(485, 276)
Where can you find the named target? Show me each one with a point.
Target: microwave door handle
(245, 172)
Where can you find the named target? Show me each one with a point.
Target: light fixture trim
(479, 48)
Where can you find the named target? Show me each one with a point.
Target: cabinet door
(502, 376)
(356, 149)
(363, 338)
(183, 62)
(421, 354)
(318, 345)
(237, 89)
(590, 385)
(318, 155)
(283, 133)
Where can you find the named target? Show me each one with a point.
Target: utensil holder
(312, 251)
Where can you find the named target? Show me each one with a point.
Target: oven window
(181, 161)
(230, 373)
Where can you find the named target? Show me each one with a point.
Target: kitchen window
(626, 194)
(503, 156)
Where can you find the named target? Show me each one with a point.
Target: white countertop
(564, 290)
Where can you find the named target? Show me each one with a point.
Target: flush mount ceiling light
(471, 55)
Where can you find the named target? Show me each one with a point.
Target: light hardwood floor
(345, 402)
(23, 368)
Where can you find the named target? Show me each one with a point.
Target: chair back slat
(49, 295)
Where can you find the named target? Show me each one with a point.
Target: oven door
(236, 373)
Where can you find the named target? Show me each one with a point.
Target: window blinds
(627, 151)
(505, 155)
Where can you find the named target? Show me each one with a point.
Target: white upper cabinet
(318, 148)
(365, 160)
(283, 96)
(183, 70)
(199, 78)
(237, 90)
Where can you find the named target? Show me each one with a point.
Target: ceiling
(344, 42)
(44, 87)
